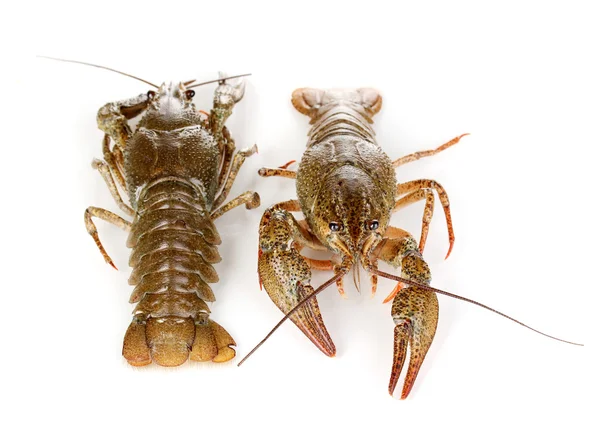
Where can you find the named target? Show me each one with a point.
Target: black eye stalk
(373, 225)
(334, 226)
(190, 94)
(151, 94)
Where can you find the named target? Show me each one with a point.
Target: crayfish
(347, 191)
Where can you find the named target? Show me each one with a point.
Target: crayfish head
(170, 107)
(350, 215)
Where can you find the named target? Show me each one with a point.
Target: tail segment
(174, 246)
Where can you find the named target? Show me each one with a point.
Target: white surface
(521, 78)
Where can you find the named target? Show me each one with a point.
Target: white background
(521, 77)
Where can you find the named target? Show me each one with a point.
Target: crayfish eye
(190, 94)
(334, 226)
(151, 94)
(373, 225)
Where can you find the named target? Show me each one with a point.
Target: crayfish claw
(286, 290)
(230, 91)
(415, 313)
(309, 320)
(285, 275)
(401, 336)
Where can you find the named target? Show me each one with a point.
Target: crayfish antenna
(99, 67)
(219, 80)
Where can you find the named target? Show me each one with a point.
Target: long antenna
(468, 300)
(99, 67)
(219, 80)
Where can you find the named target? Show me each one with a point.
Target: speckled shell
(343, 164)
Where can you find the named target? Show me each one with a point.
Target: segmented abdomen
(174, 246)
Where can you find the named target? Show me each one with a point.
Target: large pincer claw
(415, 313)
(285, 276)
(228, 93)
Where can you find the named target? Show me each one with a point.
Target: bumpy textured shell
(171, 167)
(342, 156)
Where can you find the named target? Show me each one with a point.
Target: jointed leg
(282, 171)
(400, 249)
(120, 163)
(392, 243)
(303, 235)
(387, 251)
(105, 172)
(228, 149)
(425, 153)
(305, 238)
(414, 311)
(112, 120)
(413, 197)
(316, 264)
(292, 205)
(415, 185)
(238, 160)
(227, 94)
(315, 243)
(114, 160)
(340, 283)
(108, 217)
(308, 239)
(272, 172)
(251, 199)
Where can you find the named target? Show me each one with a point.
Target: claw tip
(449, 250)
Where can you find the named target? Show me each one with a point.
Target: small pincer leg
(414, 311)
(285, 276)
